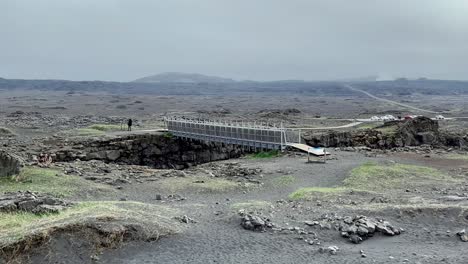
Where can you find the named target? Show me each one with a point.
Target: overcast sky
(122, 40)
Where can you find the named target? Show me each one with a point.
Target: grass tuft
(456, 156)
(252, 205)
(388, 130)
(48, 181)
(368, 125)
(168, 135)
(284, 180)
(264, 154)
(86, 132)
(309, 192)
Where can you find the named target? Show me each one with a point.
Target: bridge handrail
(219, 124)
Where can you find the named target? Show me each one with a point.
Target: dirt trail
(390, 101)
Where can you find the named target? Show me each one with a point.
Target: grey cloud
(243, 39)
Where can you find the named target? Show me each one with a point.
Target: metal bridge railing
(238, 133)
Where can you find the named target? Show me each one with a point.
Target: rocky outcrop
(156, 150)
(418, 131)
(359, 228)
(414, 132)
(31, 202)
(9, 164)
(457, 140)
(329, 139)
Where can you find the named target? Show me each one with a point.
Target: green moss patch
(309, 192)
(284, 180)
(372, 176)
(86, 132)
(48, 181)
(456, 156)
(252, 205)
(368, 125)
(388, 130)
(168, 135)
(264, 154)
(24, 229)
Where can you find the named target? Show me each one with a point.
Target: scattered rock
(463, 236)
(255, 223)
(10, 164)
(332, 250)
(360, 228)
(363, 255)
(185, 219)
(31, 202)
(175, 197)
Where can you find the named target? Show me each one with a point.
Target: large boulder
(9, 164)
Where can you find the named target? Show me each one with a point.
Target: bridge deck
(237, 133)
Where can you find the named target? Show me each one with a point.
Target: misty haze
(262, 131)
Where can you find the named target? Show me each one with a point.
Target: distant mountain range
(179, 77)
(197, 84)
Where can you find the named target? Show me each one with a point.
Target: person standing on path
(129, 123)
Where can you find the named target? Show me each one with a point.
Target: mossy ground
(86, 132)
(48, 181)
(94, 130)
(168, 135)
(457, 156)
(284, 180)
(264, 154)
(19, 227)
(372, 176)
(368, 125)
(309, 192)
(388, 130)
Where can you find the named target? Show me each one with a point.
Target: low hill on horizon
(179, 77)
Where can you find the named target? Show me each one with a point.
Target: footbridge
(248, 134)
